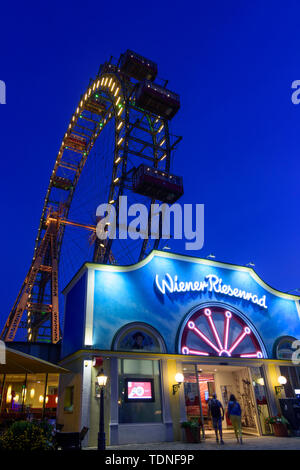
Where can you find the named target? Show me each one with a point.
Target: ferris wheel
(117, 144)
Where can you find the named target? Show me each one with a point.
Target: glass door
(192, 396)
(191, 393)
(260, 394)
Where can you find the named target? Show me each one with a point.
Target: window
(283, 347)
(290, 373)
(51, 396)
(2, 379)
(139, 337)
(142, 373)
(69, 399)
(35, 391)
(14, 393)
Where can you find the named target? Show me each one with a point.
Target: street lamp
(101, 379)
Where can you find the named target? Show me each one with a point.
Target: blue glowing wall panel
(122, 296)
(74, 319)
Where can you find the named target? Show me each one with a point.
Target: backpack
(215, 408)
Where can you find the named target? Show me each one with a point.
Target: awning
(17, 362)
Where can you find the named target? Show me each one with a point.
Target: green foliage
(277, 419)
(193, 429)
(27, 436)
(189, 424)
(192, 423)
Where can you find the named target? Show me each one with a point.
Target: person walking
(215, 408)
(235, 413)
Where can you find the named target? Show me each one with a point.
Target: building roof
(17, 362)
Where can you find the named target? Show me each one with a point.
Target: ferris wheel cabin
(157, 184)
(157, 99)
(137, 66)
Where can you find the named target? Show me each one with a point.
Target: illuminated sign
(227, 335)
(139, 390)
(211, 283)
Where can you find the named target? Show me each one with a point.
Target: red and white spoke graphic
(216, 331)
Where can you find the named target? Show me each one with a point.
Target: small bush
(27, 436)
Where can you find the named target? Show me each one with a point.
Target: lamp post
(102, 379)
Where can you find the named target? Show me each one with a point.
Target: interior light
(8, 395)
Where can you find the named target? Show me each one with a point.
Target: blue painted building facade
(178, 308)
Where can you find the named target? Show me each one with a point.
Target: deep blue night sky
(232, 62)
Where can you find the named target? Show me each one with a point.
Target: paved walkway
(249, 443)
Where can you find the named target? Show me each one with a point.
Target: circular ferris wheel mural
(218, 331)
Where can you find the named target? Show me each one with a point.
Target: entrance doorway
(202, 381)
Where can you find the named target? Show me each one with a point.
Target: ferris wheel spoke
(192, 326)
(239, 339)
(208, 314)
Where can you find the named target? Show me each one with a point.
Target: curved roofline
(192, 259)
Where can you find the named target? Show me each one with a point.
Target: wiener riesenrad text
(211, 283)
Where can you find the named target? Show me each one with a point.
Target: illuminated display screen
(139, 390)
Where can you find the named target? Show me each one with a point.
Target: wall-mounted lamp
(282, 381)
(179, 379)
